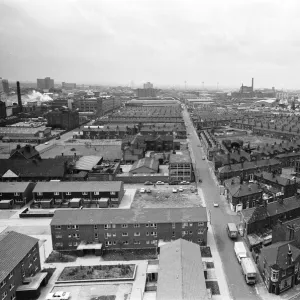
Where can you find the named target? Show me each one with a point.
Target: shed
(46, 203)
(75, 202)
(6, 204)
(103, 202)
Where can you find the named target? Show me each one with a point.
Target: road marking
(257, 292)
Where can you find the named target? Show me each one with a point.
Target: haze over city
(166, 42)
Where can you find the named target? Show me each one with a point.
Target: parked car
(46, 143)
(175, 190)
(216, 204)
(142, 190)
(160, 183)
(148, 183)
(58, 137)
(148, 190)
(203, 157)
(58, 296)
(200, 180)
(184, 182)
(180, 189)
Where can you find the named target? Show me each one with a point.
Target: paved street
(219, 218)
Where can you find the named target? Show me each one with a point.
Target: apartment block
(180, 167)
(96, 230)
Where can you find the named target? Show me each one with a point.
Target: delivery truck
(240, 251)
(249, 270)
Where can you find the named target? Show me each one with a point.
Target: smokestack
(19, 96)
(252, 84)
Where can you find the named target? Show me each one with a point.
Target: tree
(293, 106)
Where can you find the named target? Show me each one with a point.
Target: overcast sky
(165, 42)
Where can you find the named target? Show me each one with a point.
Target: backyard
(97, 272)
(137, 254)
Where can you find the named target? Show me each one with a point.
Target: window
(68, 193)
(113, 193)
(95, 227)
(191, 232)
(70, 236)
(147, 233)
(114, 234)
(3, 283)
(173, 234)
(75, 243)
(84, 193)
(96, 236)
(107, 235)
(125, 242)
(191, 224)
(56, 193)
(108, 243)
(136, 242)
(4, 294)
(75, 227)
(124, 233)
(147, 242)
(184, 232)
(147, 225)
(124, 225)
(40, 194)
(274, 275)
(154, 242)
(70, 244)
(58, 236)
(200, 223)
(185, 225)
(96, 193)
(137, 234)
(58, 244)
(154, 233)
(69, 227)
(76, 235)
(201, 231)
(136, 225)
(115, 242)
(34, 257)
(153, 225)
(200, 241)
(113, 225)
(296, 267)
(11, 274)
(17, 194)
(173, 225)
(57, 227)
(283, 273)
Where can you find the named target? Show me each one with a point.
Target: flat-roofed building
(180, 167)
(127, 228)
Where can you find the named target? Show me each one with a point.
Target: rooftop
(146, 162)
(125, 216)
(78, 186)
(245, 189)
(276, 178)
(181, 273)
(180, 157)
(14, 247)
(87, 163)
(13, 187)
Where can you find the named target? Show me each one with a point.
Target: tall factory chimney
(19, 96)
(252, 84)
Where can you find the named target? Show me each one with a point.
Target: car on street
(203, 157)
(175, 190)
(148, 190)
(46, 143)
(180, 189)
(58, 296)
(216, 204)
(160, 183)
(148, 183)
(142, 190)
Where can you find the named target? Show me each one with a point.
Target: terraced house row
(94, 230)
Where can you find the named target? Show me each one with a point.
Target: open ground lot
(163, 196)
(108, 152)
(96, 291)
(254, 140)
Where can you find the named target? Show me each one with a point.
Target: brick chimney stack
(19, 96)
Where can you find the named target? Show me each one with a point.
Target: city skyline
(115, 42)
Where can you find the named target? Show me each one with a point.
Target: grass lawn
(97, 272)
(56, 257)
(205, 251)
(139, 254)
(213, 286)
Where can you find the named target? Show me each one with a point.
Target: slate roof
(27, 151)
(276, 254)
(241, 190)
(34, 168)
(87, 163)
(124, 216)
(13, 187)
(77, 186)
(249, 165)
(275, 178)
(288, 204)
(14, 247)
(181, 273)
(146, 162)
